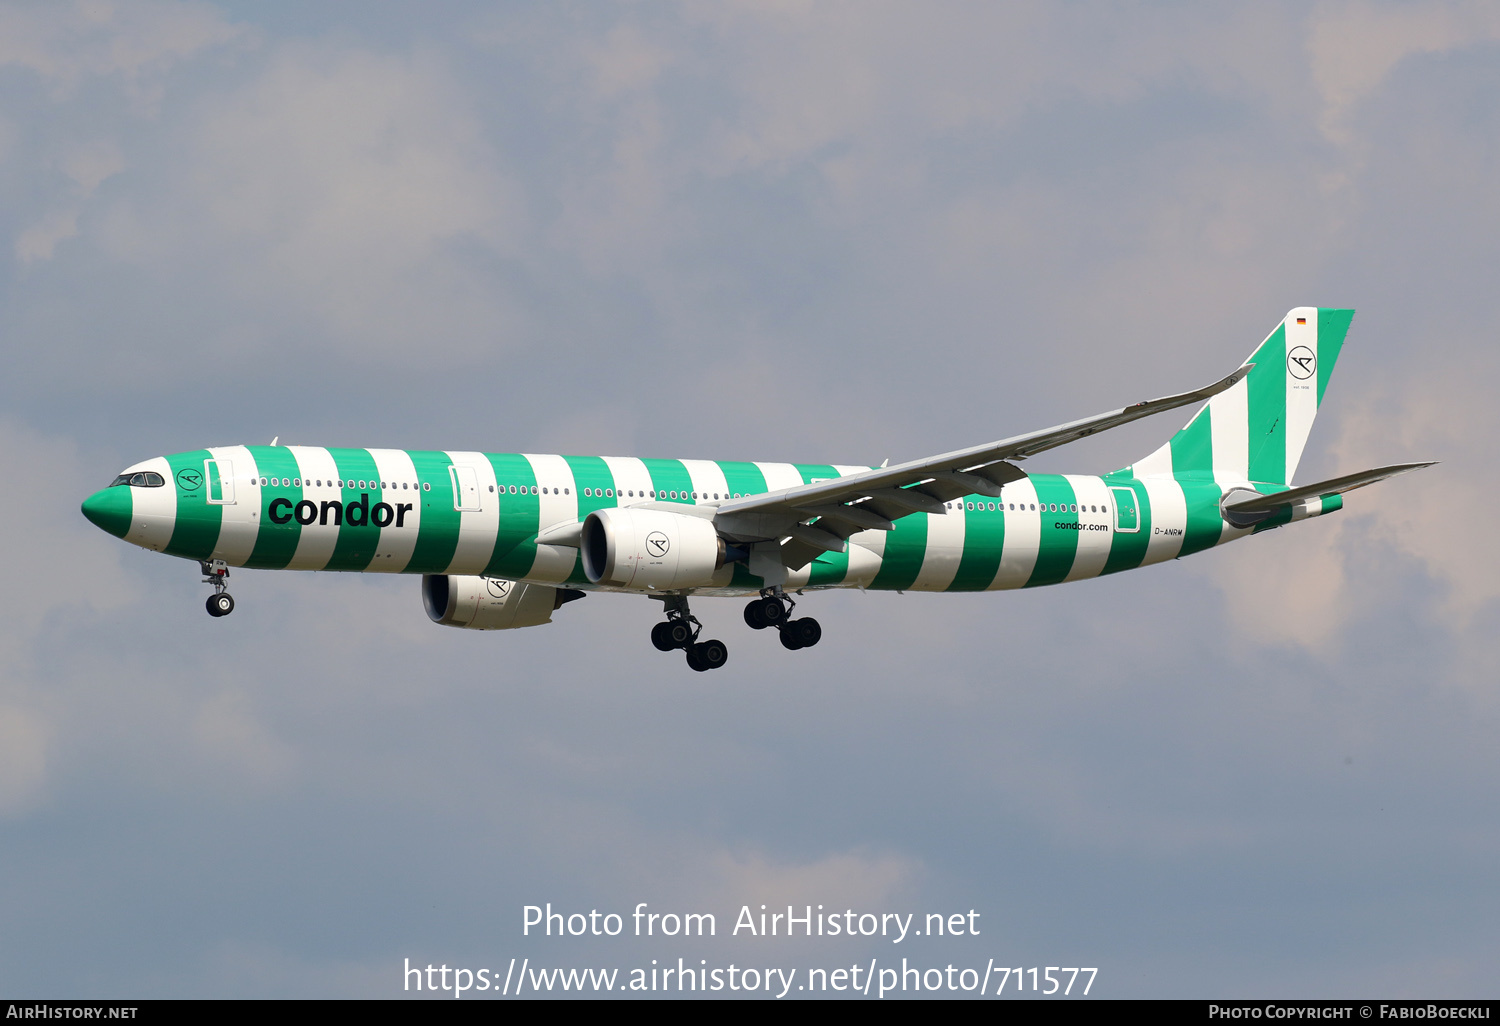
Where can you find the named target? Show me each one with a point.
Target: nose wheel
(681, 629)
(774, 609)
(216, 572)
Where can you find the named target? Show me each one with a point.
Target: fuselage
(471, 513)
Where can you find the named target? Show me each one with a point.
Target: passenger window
(426, 486)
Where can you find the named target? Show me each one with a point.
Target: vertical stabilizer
(1255, 430)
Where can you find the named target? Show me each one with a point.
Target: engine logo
(498, 587)
(657, 544)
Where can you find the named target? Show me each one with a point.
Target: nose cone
(109, 509)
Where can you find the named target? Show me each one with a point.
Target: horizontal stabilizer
(1335, 486)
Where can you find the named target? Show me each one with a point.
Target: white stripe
(476, 528)
(945, 550)
(630, 475)
(241, 522)
(708, 479)
(780, 475)
(1168, 515)
(1023, 536)
(153, 511)
(316, 542)
(866, 550)
(1229, 422)
(397, 544)
(1158, 464)
(1093, 546)
(553, 563)
(1301, 396)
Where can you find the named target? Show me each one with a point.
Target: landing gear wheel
(661, 637)
(789, 640)
(680, 632)
(220, 604)
(808, 631)
(753, 618)
(694, 660)
(712, 654)
(766, 611)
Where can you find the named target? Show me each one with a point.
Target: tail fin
(1255, 430)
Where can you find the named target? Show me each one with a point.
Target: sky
(823, 232)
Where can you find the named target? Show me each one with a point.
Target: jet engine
(490, 603)
(648, 548)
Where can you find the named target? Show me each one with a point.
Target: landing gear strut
(774, 609)
(681, 630)
(215, 572)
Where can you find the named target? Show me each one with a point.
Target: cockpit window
(140, 479)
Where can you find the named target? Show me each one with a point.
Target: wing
(874, 499)
(1258, 507)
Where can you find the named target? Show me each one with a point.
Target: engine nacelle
(490, 603)
(649, 548)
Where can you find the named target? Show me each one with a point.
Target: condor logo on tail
(1302, 362)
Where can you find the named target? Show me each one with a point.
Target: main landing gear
(774, 609)
(681, 630)
(215, 572)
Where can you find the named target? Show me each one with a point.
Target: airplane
(502, 541)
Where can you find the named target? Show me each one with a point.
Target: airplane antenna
(276, 439)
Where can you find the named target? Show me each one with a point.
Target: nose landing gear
(216, 572)
(774, 609)
(681, 630)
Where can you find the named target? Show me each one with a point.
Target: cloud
(69, 43)
(1355, 44)
(344, 189)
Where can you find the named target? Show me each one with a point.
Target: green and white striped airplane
(504, 540)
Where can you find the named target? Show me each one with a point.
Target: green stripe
(590, 473)
(905, 549)
(196, 530)
(984, 544)
(1266, 399)
(437, 524)
(275, 543)
(1333, 326)
(743, 478)
(520, 517)
(1057, 546)
(669, 476)
(1193, 447)
(1205, 524)
(1128, 551)
(831, 567)
(356, 545)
